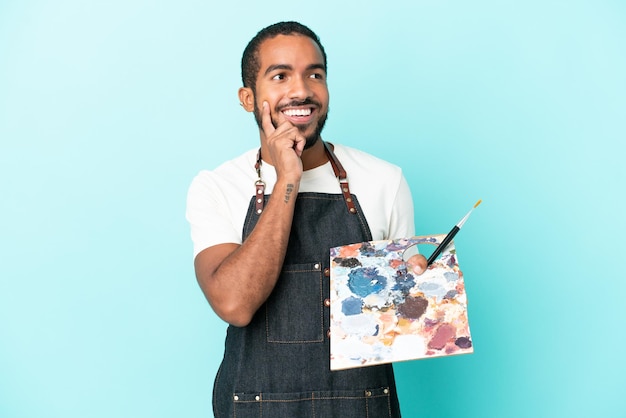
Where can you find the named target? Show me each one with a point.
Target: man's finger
(266, 120)
(299, 143)
(417, 263)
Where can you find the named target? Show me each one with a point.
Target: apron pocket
(294, 310)
(368, 403)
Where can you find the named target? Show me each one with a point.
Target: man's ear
(246, 98)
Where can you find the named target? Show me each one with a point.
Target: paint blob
(432, 289)
(352, 306)
(413, 308)
(404, 281)
(463, 342)
(348, 262)
(366, 281)
(444, 333)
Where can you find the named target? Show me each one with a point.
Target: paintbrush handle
(443, 245)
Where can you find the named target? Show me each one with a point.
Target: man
(262, 225)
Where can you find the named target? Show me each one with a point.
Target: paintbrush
(450, 235)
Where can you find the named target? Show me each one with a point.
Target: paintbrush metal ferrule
(462, 221)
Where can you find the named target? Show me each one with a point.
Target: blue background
(108, 109)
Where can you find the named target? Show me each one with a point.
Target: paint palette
(382, 312)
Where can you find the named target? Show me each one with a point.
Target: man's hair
(250, 63)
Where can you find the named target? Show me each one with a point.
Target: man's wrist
(287, 189)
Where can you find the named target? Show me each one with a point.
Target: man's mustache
(296, 103)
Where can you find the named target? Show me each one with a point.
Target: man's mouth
(298, 115)
(297, 112)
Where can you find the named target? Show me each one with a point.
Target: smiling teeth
(297, 112)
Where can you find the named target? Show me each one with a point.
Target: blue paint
(368, 250)
(404, 281)
(451, 276)
(352, 306)
(432, 289)
(366, 281)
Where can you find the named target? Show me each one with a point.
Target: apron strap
(259, 186)
(338, 169)
(341, 175)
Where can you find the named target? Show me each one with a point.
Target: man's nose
(299, 88)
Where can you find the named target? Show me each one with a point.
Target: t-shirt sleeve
(402, 220)
(208, 214)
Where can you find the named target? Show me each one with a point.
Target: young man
(262, 225)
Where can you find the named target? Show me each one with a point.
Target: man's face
(292, 80)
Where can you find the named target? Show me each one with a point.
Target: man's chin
(315, 135)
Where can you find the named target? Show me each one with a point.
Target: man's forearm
(237, 282)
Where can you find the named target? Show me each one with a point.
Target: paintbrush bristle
(477, 203)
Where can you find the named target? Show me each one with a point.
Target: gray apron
(279, 365)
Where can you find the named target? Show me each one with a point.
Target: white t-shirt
(218, 200)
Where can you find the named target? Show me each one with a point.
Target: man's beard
(311, 139)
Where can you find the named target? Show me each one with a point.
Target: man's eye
(317, 75)
(279, 77)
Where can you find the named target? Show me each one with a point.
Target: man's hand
(285, 145)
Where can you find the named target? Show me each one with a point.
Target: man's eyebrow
(275, 67)
(316, 67)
